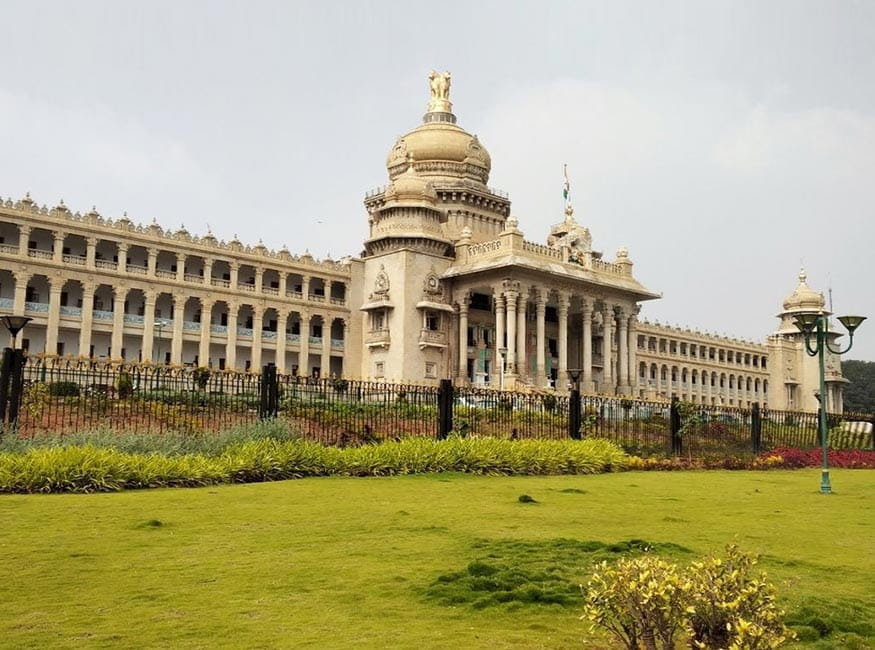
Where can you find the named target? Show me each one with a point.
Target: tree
(859, 395)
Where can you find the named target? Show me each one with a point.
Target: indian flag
(566, 188)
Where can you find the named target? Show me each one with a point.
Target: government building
(447, 287)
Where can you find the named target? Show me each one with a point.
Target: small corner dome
(804, 298)
(411, 188)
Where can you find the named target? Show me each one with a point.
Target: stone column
(235, 273)
(304, 354)
(21, 280)
(257, 324)
(152, 262)
(180, 267)
(178, 316)
(54, 315)
(623, 353)
(88, 289)
(284, 286)
(305, 287)
(150, 297)
(282, 321)
(90, 252)
(123, 256)
(540, 314)
(499, 338)
(562, 313)
(231, 344)
(522, 362)
(208, 271)
(118, 321)
(325, 361)
(58, 249)
(464, 301)
(23, 239)
(633, 355)
(345, 343)
(259, 279)
(203, 351)
(607, 345)
(511, 318)
(586, 343)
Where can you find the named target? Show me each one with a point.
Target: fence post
(574, 413)
(17, 386)
(5, 376)
(445, 408)
(756, 427)
(674, 420)
(269, 393)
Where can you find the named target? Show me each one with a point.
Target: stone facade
(447, 287)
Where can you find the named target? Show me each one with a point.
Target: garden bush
(63, 389)
(718, 602)
(90, 468)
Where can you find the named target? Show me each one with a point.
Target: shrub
(124, 385)
(718, 602)
(35, 399)
(49, 468)
(639, 601)
(731, 607)
(63, 389)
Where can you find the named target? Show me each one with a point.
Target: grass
(406, 562)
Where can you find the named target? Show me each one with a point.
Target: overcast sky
(723, 143)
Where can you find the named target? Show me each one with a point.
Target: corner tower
(794, 375)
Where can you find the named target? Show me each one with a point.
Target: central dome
(804, 298)
(440, 150)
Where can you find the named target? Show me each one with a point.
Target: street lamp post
(12, 370)
(818, 325)
(15, 324)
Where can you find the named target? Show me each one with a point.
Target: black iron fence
(37, 397)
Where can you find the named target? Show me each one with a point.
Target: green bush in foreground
(645, 601)
(89, 468)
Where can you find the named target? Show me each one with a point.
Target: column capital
(179, 299)
(564, 301)
(207, 301)
(152, 251)
(123, 246)
(120, 291)
(59, 235)
(24, 229)
(181, 256)
(91, 241)
(150, 296)
(234, 265)
(586, 305)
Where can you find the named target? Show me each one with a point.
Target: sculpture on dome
(439, 83)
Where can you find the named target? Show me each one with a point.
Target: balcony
(102, 314)
(315, 297)
(246, 287)
(191, 326)
(6, 303)
(168, 275)
(315, 340)
(271, 290)
(293, 338)
(137, 269)
(336, 344)
(218, 329)
(36, 306)
(78, 260)
(338, 301)
(245, 332)
(106, 264)
(268, 335)
(432, 339)
(377, 338)
(192, 277)
(219, 282)
(8, 249)
(135, 319)
(297, 295)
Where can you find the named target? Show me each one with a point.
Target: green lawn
(352, 562)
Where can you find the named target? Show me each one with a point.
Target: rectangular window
(432, 321)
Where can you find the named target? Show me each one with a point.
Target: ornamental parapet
(92, 223)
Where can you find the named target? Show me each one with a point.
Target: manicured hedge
(87, 468)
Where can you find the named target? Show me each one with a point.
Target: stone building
(447, 286)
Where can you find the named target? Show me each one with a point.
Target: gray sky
(723, 143)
